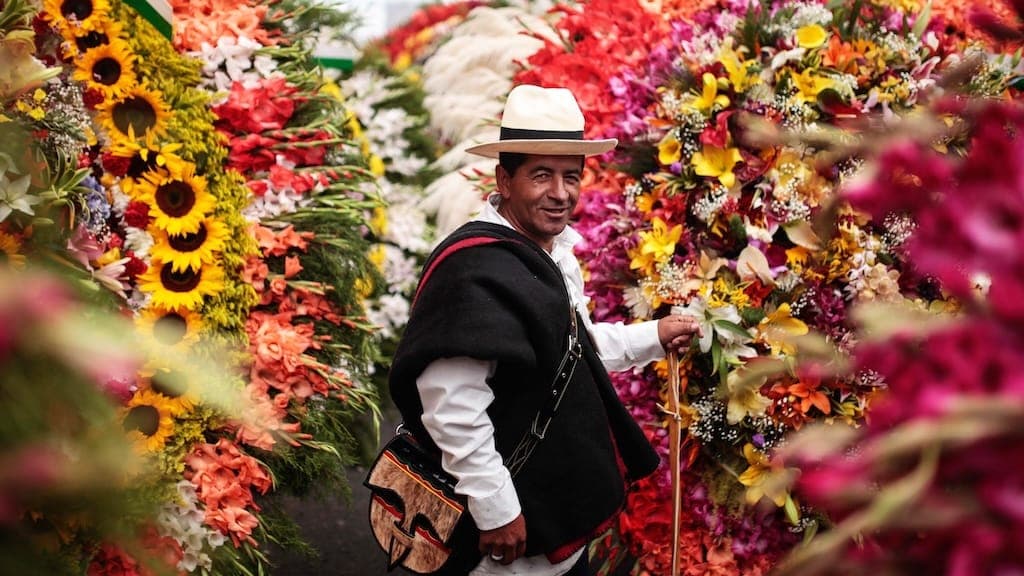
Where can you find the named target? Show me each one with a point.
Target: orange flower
(806, 391)
(840, 55)
(225, 478)
(279, 243)
(291, 266)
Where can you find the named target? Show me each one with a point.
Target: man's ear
(502, 181)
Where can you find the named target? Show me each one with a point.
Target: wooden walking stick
(675, 436)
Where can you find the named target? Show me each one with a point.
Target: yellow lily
(717, 162)
(776, 328)
(737, 68)
(809, 86)
(709, 97)
(761, 479)
(811, 36)
(669, 149)
(660, 242)
(745, 398)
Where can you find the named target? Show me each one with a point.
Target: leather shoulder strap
(448, 251)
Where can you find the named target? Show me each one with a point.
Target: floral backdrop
(706, 207)
(823, 184)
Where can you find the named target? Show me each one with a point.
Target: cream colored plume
(466, 81)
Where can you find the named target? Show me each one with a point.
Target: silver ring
(498, 557)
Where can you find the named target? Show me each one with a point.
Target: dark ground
(339, 529)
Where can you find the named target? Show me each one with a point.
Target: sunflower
(191, 249)
(174, 385)
(139, 110)
(106, 31)
(184, 289)
(149, 420)
(179, 203)
(76, 17)
(107, 68)
(148, 155)
(169, 327)
(10, 251)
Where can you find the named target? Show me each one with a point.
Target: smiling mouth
(555, 212)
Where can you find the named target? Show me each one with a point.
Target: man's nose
(558, 188)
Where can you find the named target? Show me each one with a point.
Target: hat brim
(545, 147)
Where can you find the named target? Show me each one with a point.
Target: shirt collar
(562, 244)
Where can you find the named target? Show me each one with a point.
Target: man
(485, 339)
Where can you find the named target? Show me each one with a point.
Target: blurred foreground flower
(934, 484)
(73, 485)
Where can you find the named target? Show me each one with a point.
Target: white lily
(14, 195)
(722, 323)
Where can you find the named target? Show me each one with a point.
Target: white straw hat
(542, 121)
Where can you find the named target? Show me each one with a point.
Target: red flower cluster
(411, 40)
(282, 335)
(605, 36)
(256, 120)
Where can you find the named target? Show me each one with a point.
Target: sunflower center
(170, 383)
(135, 112)
(91, 40)
(80, 9)
(175, 198)
(170, 329)
(184, 281)
(107, 71)
(137, 166)
(188, 242)
(145, 419)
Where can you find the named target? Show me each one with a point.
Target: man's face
(539, 199)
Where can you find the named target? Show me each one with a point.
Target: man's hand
(676, 332)
(506, 543)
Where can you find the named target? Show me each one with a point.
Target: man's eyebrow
(545, 168)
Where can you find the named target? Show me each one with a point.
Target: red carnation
(137, 214)
(116, 165)
(134, 266)
(92, 98)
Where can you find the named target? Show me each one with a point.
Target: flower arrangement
(388, 113)
(715, 220)
(295, 143)
(426, 28)
(65, 455)
(116, 167)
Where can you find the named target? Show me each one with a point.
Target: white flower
(184, 522)
(722, 323)
(399, 270)
(407, 228)
(639, 307)
(14, 195)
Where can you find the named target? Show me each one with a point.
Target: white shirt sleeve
(622, 346)
(619, 346)
(455, 397)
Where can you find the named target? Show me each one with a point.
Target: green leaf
(716, 355)
(729, 326)
(792, 512)
(922, 20)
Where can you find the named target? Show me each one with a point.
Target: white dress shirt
(455, 398)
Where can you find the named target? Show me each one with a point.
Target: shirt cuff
(497, 509)
(643, 341)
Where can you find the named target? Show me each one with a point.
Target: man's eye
(538, 178)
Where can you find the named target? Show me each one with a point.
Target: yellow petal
(811, 36)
